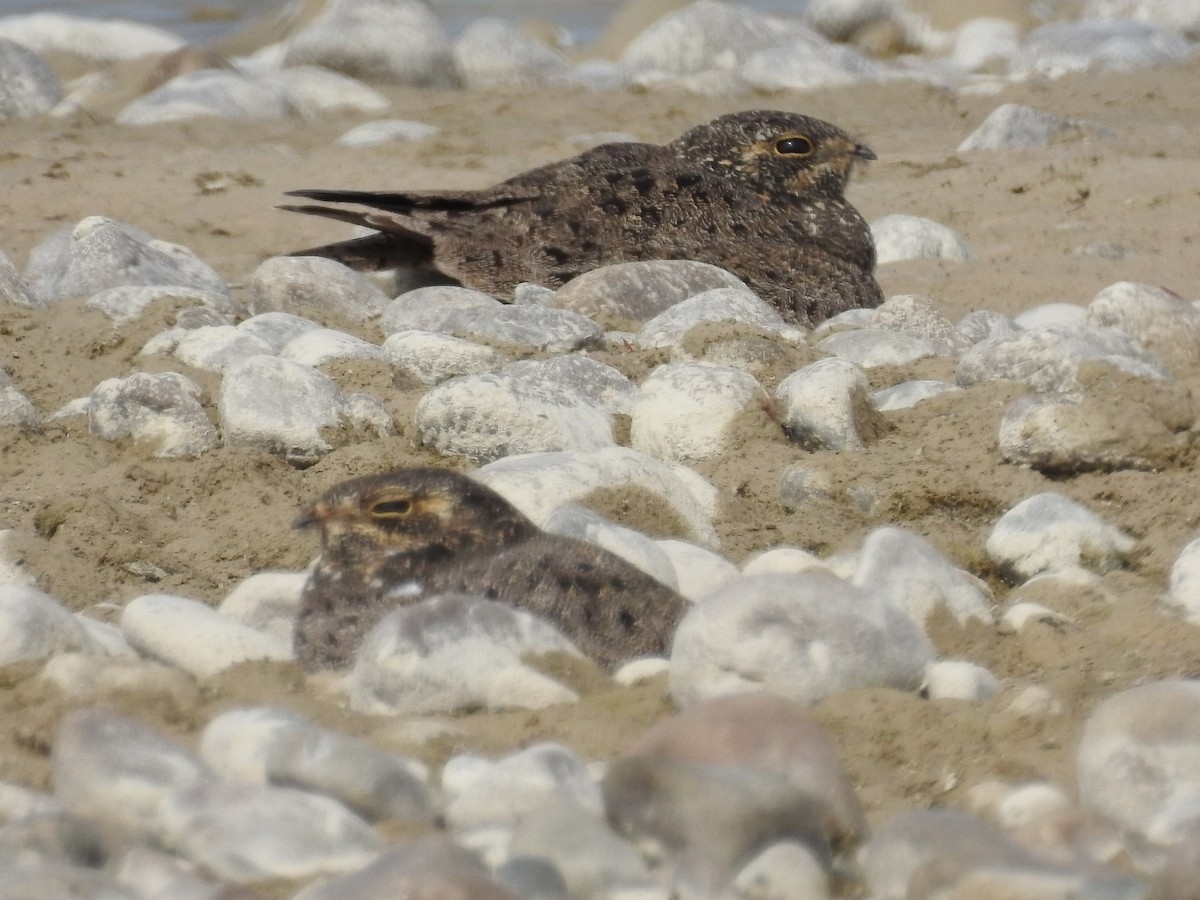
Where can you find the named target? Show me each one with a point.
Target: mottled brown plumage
(389, 540)
(760, 193)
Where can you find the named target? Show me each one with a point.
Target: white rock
(601, 383)
(638, 291)
(538, 483)
(483, 792)
(1140, 752)
(917, 315)
(244, 833)
(12, 565)
(871, 347)
(194, 637)
(1048, 359)
(1180, 15)
(782, 560)
(98, 253)
(983, 324)
(786, 870)
(1019, 615)
(114, 767)
(315, 288)
(1048, 531)
(801, 636)
(28, 86)
(126, 304)
(34, 625)
(908, 394)
(725, 304)
(277, 329)
(802, 65)
(685, 411)
(323, 345)
(1053, 315)
(698, 572)
(1060, 48)
(217, 347)
(640, 670)
(268, 602)
(956, 679)
(453, 652)
(431, 358)
(1184, 585)
(489, 416)
(904, 569)
(1030, 802)
(387, 131)
(314, 91)
(984, 41)
(15, 407)
(439, 308)
(1012, 125)
(91, 38)
(901, 237)
(279, 406)
(492, 52)
(13, 288)
(389, 41)
(827, 405)
(208, 92)
(1166, 325)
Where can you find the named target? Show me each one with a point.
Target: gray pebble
(489, 416)
(531, 328)
(483, 792)
(1095, 45)
(1013, 125)
(194, 637)
(638, 291)
(214, 348)
(1046, 532)
(411, 662)
(983, 324)
(277, 329)
(801, 636)
(28, 86)
(827, 405)
(315, 288)
(432, 358)
(902, 568)
(13, 288)
(128, 303)
(901, 237)
(871, 347)
(493, 52)
(593, 379)
(115, 768)
(98, 253)
(387, 131)
(280, 406)
(1140, 752)
(322, 345)
(537, 484)
(908, 394)
(15, 407)
(385, 41)
(439, 307)
(251, 833)
(1166, 325)
(591, 859)
(160, 411)
(686, 411)
(725, 304)
(208, 92)
(1048, 359)
(34, 625)
(916, 315)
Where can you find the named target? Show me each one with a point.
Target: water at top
(199, 21)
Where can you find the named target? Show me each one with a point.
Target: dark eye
(794, 146)
(391, 509)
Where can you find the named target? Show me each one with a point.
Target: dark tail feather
(448, 201)
(372, 253)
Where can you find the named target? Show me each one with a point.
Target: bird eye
(796, 145)
(391, 509)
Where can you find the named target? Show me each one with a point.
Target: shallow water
(199, 21)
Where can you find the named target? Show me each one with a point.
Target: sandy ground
(90, 515)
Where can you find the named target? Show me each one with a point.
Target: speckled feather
(458, 536)
(722, 193)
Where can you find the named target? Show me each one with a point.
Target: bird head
(775, 152)
(412, 511)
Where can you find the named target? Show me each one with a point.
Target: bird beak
(314, 515)
(862, 151)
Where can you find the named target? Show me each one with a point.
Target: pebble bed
(741, 792)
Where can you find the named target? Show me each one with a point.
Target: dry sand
(93, 518)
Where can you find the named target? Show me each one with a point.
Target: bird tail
(396, 245)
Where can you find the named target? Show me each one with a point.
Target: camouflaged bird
(392, 539)
(758, 193)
